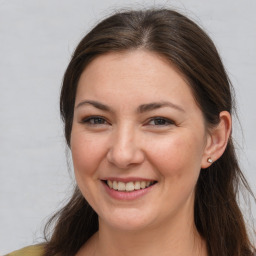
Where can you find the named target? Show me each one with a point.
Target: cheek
(177, 156)
(86, 154)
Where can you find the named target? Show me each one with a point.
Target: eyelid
(86, 120)
(168, 121)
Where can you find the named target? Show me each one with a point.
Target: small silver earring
(209, 160)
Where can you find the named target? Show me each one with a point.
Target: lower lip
(130, 195)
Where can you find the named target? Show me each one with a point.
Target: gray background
(36, 41)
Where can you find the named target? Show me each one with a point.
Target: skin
(168, 144)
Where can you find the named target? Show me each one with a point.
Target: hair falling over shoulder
(185, 45)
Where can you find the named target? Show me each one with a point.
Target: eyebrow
(155, 105)
(141, 109)
(94, 103)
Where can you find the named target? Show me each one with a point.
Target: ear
(217, 140)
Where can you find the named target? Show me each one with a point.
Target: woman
(147, 107)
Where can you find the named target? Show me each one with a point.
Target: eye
(160, 121)
(94, 120)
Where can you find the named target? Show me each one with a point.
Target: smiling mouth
(128, 186)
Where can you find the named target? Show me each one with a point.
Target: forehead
(133, 76)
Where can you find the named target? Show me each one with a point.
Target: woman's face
(137, 141)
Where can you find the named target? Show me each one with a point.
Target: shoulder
(34, 250)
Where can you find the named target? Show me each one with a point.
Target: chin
(127, 220)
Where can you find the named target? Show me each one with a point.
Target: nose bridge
(124, 136)
(124, 149)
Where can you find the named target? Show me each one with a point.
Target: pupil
(98, 121)
(159, 121)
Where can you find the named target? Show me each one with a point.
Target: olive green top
(34, 250)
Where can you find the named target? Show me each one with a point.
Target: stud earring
(209, 160)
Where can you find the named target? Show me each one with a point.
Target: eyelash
(163, 121)
(88, 120)
(166, 121)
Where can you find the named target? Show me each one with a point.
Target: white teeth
(143, 184)
(129, 186)
(121, 186)
(115, 186)
(110, 183)
(137, 185)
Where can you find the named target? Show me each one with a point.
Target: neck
(181, 239)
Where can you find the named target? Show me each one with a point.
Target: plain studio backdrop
(37, 39)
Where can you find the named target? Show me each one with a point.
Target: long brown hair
(184, 44)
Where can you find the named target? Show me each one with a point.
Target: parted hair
(185, 45)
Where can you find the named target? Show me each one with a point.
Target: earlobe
(217, 140)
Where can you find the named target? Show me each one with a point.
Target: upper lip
(127, 179)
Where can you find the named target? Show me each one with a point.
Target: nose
(124, 151)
